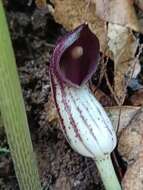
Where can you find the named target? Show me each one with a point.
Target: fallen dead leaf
(71, 13)
(121, 116)
(123, 45)
(51, 111)
(103, 98)
(131, 137)
(130, 147)
(133, 178)
(137, 98)
(119, 12)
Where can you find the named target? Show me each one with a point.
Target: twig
(103, 69)
(111, 90)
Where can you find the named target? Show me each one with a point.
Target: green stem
(13, 113)
(108, 174)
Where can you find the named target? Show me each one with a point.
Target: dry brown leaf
(103, 98)
(121, 116)
(119, 12)
(130, 147)
(131, 138)
(71, 13)
(133, 179)
(123, 45)
(137, 98)
(50, 109)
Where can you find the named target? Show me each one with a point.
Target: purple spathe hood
(75, 56)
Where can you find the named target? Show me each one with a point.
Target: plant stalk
(107, 173)
(13, 113)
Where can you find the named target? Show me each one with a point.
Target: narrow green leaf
(13, 113)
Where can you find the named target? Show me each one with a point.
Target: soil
(33, 33)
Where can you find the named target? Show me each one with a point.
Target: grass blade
(13, 113)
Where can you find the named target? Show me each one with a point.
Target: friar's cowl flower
(83, 120)
(75, 57)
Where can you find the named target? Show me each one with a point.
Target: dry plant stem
(107, 172)
(103, 70)
(111, 90)
(13, 114)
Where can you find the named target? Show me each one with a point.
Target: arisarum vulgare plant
(84, 122)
